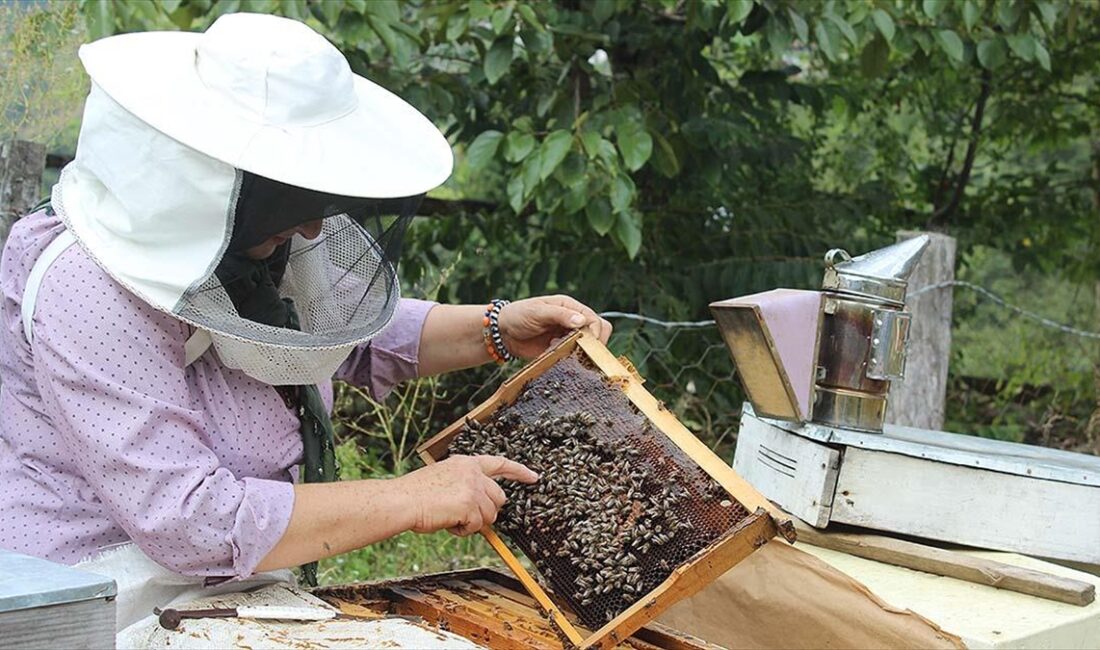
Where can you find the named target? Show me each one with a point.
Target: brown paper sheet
(781, 597)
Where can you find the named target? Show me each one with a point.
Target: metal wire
(1038, 318)
(659, 323)
(986, 293)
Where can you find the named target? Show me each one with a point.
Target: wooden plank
(797, 473)
(920, 399)
(930, 559)
(968, 506)
(82, 624)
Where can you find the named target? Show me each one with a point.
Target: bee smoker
(826, 356)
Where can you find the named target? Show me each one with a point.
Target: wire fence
(685, 364)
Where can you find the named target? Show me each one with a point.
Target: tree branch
(941, 216)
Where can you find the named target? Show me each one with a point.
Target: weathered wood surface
(798, 474)
(943, 562)
(21, 165)
(919, 400)
(968, 505)
(84, 624)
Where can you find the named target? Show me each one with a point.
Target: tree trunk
(21, 165)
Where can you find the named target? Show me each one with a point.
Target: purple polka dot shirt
(105, 436)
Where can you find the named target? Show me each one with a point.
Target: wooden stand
(765, 522)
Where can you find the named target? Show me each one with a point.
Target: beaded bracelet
(494, 344)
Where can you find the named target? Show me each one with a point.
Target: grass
(405, 554)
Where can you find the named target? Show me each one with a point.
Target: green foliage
(42, 86)
(653, 156)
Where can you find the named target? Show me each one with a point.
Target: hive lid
(882, 274)
(1001, 456)
(27, 582)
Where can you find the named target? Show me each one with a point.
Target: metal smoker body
(850, 338)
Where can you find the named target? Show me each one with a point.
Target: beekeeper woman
(222, 246)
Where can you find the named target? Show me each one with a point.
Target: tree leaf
(516, 198)
(501, 18)
(517, 145)
(738, 10)
(600, 216)
(800, 26)
(628, 230)
(845, 28)
(635, 144)
(553, 151)
(527, 12)
(1022, 45)
(498, 59)
(457, 25)
(884, 23)
(825, 41)
(1048, 13)
(100, 18)
(665, 160)
(1042, 56)
(482, 149)
(1008, 12)
(875, 56)
(590, 140)
(932, 8)
(622, 193)
(971, 13)
(992, 53)
(951, 43)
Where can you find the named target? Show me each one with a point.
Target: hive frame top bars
(765, 522)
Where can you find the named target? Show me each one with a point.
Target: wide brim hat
(294, 113)
(175, 123)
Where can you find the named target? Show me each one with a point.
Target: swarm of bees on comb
(606, 523)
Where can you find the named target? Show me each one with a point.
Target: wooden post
(919, 400)
(21, 165)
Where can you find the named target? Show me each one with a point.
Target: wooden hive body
(763, 522)
(484, 606)
(932, 484)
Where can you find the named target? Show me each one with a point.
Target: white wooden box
(932, 484)
(48, 605)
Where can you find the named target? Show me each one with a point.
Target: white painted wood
(967, 505)
(985, 617)
(82, 624)
(798, 474)
(920, 398)
(1027, 461)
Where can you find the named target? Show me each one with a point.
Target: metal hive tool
(631, 513)
(618, 506)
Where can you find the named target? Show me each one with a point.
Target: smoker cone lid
(882, 274)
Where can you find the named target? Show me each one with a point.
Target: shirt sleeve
(392, 356)
(110, 371)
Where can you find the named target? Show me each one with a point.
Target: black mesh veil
(343, 283)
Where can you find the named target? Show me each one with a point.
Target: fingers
(496, 494)
(500, 467)
(605, 331)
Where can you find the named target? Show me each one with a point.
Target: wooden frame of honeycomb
(764, 522)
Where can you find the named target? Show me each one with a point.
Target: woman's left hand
(529, 326)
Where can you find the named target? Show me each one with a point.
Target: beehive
(632, 514)
(484, 606)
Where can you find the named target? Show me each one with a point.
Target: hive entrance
(618, 506)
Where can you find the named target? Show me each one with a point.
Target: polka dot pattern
(105, 437)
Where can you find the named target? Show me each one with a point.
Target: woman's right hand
(460, 493)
